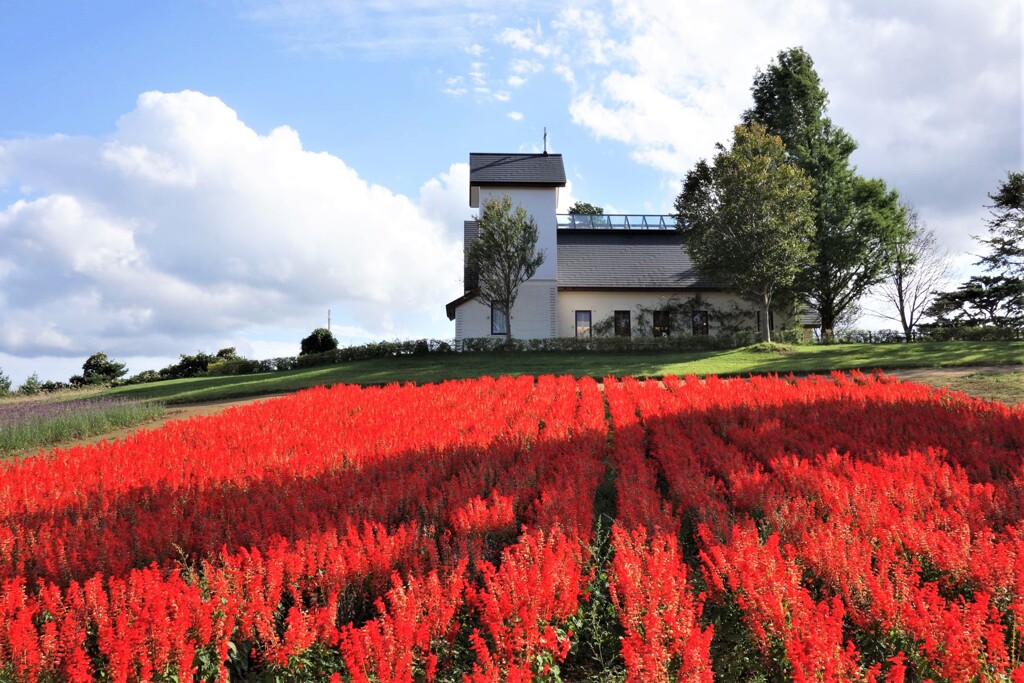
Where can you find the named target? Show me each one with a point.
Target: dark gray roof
(626, 259)
(516, 169)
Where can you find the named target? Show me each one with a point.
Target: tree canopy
(320, 340)
(856, 221)
(746, 219)
(995, 300)
(504, 255)
(1006, 228)
(99, 369)
(584, 209)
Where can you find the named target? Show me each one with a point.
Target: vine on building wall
(727, 321)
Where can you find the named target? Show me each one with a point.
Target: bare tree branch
(917, 269)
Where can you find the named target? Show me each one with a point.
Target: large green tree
(984, 300)
(1006, 228)
(99, 369)
(856, 220)
(504, 255)
(320, 340)
(746, 219)
(997, 299)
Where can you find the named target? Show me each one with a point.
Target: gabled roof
(626, 259)
(516, 169)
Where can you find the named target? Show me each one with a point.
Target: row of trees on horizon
(101, 370)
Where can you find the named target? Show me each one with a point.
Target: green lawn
(439, 367)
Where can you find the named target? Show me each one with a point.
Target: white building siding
(541, 204)
(603, 305)
(533, 316)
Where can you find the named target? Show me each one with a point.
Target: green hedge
(687, 342)
(420, 347)
(931, 333)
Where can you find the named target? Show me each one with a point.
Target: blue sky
(183, 176)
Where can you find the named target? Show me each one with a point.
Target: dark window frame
(701, 323)
(623, 324)
(661, 322)
(498, 316)
(589, 324)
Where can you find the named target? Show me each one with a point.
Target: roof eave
(451, 306)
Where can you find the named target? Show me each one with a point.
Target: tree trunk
(828, 325)
(901, 305)
(765, 313)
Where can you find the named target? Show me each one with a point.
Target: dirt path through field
(934, 376)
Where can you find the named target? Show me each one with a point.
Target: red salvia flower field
(841, 528)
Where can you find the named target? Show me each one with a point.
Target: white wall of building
(534, 315)
(604, 304)
(540, 203)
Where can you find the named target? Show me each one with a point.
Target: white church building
(625, 274)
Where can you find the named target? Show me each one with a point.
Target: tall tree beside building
(746, 219)
(914, 272)
(504, 255)
(856, 221)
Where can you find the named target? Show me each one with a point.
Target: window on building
(583, 324)
(662, 324)
(700, 322)
(622, 324)
(771, 320)
(499, 321)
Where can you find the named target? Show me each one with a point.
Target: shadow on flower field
(767, 528)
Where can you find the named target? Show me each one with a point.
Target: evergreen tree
(993, 300)
(856, 221)
(1006, 228)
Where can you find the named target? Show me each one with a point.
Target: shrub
(144, 377)
(964, 333)
(241, 366)
(188, 366)
(687, 342)
(32, 386)
(320, 341)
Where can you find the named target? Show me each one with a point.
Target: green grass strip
(756, 359)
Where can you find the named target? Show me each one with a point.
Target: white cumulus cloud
(932, 92)
(186, 224)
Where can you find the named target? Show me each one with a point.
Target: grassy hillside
(439, 367)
